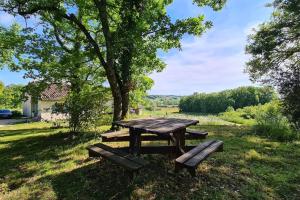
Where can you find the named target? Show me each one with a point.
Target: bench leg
(177, 167)
(92, 154)
(220, 149)
(130, 175)
(192, 171)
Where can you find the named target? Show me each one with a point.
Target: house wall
(45, 111)
(27, 107)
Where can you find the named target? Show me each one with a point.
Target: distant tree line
(219, 101)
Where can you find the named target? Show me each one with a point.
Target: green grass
(38, 162)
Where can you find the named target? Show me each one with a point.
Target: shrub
(84, 108)
(230, 109)
(240, 116)
(16, 113)
(272, 123)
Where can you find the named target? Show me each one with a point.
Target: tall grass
(267, 120)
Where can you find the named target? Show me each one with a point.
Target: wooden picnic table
(173, 127)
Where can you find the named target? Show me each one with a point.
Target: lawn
(38, 162)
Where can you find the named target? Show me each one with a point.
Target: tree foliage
(219, 101)
(275, 54)
(123, 36)
(85, 108)
(11, 96)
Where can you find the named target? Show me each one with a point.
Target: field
(38, 162)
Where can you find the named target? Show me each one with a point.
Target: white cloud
(6, 19)
(211, 63)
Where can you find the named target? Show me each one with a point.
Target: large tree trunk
(125, 101)
(116, 94)
(117, 106)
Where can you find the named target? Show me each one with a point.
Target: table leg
(138, 144)
(179, 136)
(131, 140)
(134, 142)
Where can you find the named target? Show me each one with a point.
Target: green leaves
(274, 50)
(215, 4)
(220, 101)
(9, 37)
(11, 96)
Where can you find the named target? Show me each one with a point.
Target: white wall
(27, 107)
(45, 111)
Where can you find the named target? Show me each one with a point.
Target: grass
(38, 162)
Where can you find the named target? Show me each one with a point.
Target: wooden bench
(128, 161)
(196, 134)
(195, 156)
(123, 135)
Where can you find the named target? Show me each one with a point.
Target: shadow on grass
(24, 132)
(17, 158)
(105, 180)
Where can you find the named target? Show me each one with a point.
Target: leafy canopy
(122, 36)
(275, 54)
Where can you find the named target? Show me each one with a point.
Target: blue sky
(213, 62)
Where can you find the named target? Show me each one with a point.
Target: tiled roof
(55, 92)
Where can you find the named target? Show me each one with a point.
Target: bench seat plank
(192, 158)
(118, 159)
(188, 155)
(115, 134)
(197, 133)
(123, 154)
(126, 160)
(194, 161)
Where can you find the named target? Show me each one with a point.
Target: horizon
(213, 62)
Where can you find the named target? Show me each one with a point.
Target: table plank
(157, 125)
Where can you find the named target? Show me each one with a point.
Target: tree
(1, 87)
(138, 94)
(11, 96)
(275, 51)
(50, 57)
(124, 35)
(217, 102)
(8, 38)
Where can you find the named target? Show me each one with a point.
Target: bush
(16, 114)
(220, 101)
(267, 120)
(272, 123)
(84, 108)
(240, 116)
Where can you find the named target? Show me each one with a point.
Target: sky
(212, 62)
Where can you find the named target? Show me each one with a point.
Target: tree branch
(73, 18)
(60, 42)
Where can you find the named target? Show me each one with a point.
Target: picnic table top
(157, 125)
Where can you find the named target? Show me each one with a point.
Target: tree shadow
(24, 132)
(18, 155)
(105, 180)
